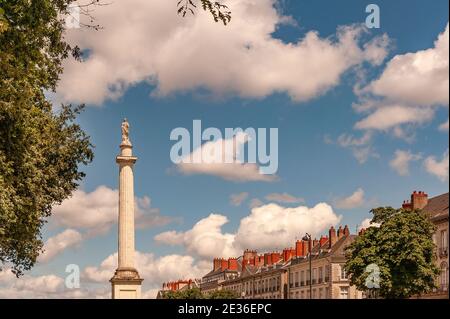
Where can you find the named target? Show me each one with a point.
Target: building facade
(436, 209)
(328, 279)
(285, 275)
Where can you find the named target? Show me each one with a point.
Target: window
(291, 280)
(443, 249)
(307, 277)
(302, 278)
(320, 275)
(343, 272)
(314, 276)
(343, 293)
(444, 276)
(296, 279)
(320, 293)
(303, 294)
(327, 273)
(314, 294)
(444, 238)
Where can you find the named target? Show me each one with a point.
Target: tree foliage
(40, 149)
(400, 251)
(219, 11)
(195, 293)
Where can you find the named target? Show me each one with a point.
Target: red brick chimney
(275, 257)
(419, 200)
(323, 240)
(340, 232)
(223, 264)
(406, 205)
(217, 263)
(232, 264)
(267, 259)
(305, 245)
(346, 231)
(332, 236)
(299, 249)
(315, 242)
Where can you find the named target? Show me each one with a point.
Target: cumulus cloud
(267, 227)
(44, 286)
(438, 168)
(205, 239)
(213, 161)
(97, 211)
(401, 160)
(355, 200)
(408, 91)
(176, 55)
(155, 270)
(366, 223)
(238, 199)
(419, 78)
(284, 198)
(58, 243)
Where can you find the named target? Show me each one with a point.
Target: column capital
(126, 160)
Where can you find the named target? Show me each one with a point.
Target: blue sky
(313, 164)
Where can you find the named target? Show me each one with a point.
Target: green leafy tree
(396, 259)
(223, 294)
(192, 293)
(40, 149)
(195, 293)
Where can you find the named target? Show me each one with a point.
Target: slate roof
(437, 207)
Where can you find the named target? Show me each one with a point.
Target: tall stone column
(126, 283)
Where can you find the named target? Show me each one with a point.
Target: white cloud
(408, 91)
(366, 223)
(178, 55)
(155, 270)
(28, 286)
(390, 116)
(213, 157)
(267, 227)
(58, 243)
(238, 199)
(355, 200)
(97, 211)
(205, 239)
(401, 160)
(419, 78)
(284, 198)
(45, 286)
(438, 168)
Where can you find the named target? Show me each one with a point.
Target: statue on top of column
(126, 132)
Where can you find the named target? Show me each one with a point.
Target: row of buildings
(286, 274)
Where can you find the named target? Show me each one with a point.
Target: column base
(126, 284)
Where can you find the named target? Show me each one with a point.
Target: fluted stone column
(126, 283)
